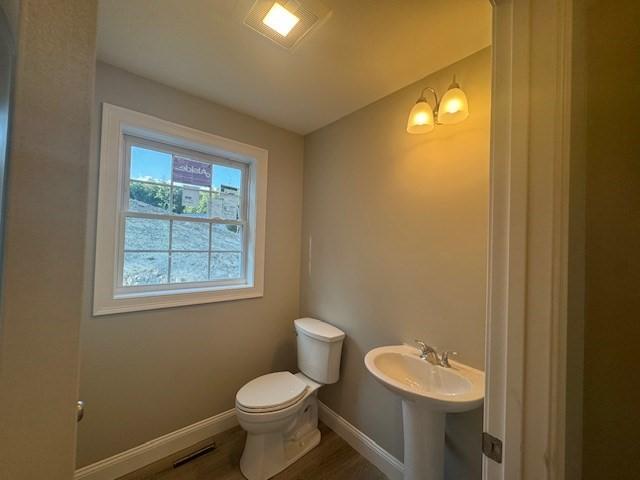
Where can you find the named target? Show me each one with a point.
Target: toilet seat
(271, 393)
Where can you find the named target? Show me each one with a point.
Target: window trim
(119, 123)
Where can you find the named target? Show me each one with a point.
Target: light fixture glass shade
(454, 107)
(421, 118)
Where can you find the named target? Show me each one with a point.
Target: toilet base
(267, 455)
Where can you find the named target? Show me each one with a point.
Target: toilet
(279, 411)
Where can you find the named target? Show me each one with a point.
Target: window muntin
(178, 229)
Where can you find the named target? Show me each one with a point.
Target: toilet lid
(270, 392)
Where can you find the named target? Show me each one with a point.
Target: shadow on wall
(350, 350)
(463, 444)
(363, 387)
(285, 354)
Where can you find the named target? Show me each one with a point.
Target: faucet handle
(423, 347)
(444, 358)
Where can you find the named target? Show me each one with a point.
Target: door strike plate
(492, 447)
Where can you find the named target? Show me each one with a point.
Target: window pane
(150, 165)
(147, 268)
(225, 205)
(189, 267)
(190, 236)
(225, 176)
(226, 237)
(147, 198)
(226, 183)
(146, 234)
(226, 266)
(190, 202)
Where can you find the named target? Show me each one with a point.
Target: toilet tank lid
(319, 330)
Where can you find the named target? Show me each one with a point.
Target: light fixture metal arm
(435, 96)
(432, 90)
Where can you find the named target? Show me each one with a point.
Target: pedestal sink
(428, 392)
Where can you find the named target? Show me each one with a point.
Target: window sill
(134, 302)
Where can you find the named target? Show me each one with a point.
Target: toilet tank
(319, 349)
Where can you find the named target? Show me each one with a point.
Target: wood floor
(333, 459)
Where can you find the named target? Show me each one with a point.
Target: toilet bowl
(279, 410)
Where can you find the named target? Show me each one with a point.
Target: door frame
(528, 238)
(41, 304)
(7, 66)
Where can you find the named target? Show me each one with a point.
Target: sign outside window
(191, 172)
(190, 197)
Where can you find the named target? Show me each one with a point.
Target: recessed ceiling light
(286, 22)
(280, 19)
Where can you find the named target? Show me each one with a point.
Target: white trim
(504, 348)
(365, 446)
(528, 234)
(118, 122)
(154, 450)
(138, 457)
(559, 321)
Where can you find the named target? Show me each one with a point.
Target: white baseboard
(154, 450)
(386, 463)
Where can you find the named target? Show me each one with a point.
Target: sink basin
(401, 370)
(428, 392)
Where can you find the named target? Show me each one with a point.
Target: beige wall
(146, 374)
(612, 309)
(398, 231)
(45, 237)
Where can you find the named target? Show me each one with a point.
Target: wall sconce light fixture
(452, 108)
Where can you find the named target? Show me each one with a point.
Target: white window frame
(118, 124)
(130, 141)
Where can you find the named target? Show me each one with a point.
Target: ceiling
(365, 50)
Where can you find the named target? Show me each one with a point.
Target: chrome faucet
(431, 355)
(428, 353)
(444, 358)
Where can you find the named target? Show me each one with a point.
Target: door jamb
(528, 238)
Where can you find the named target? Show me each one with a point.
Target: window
(180, 216)
(184, 220)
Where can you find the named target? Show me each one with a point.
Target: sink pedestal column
(423, 442)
